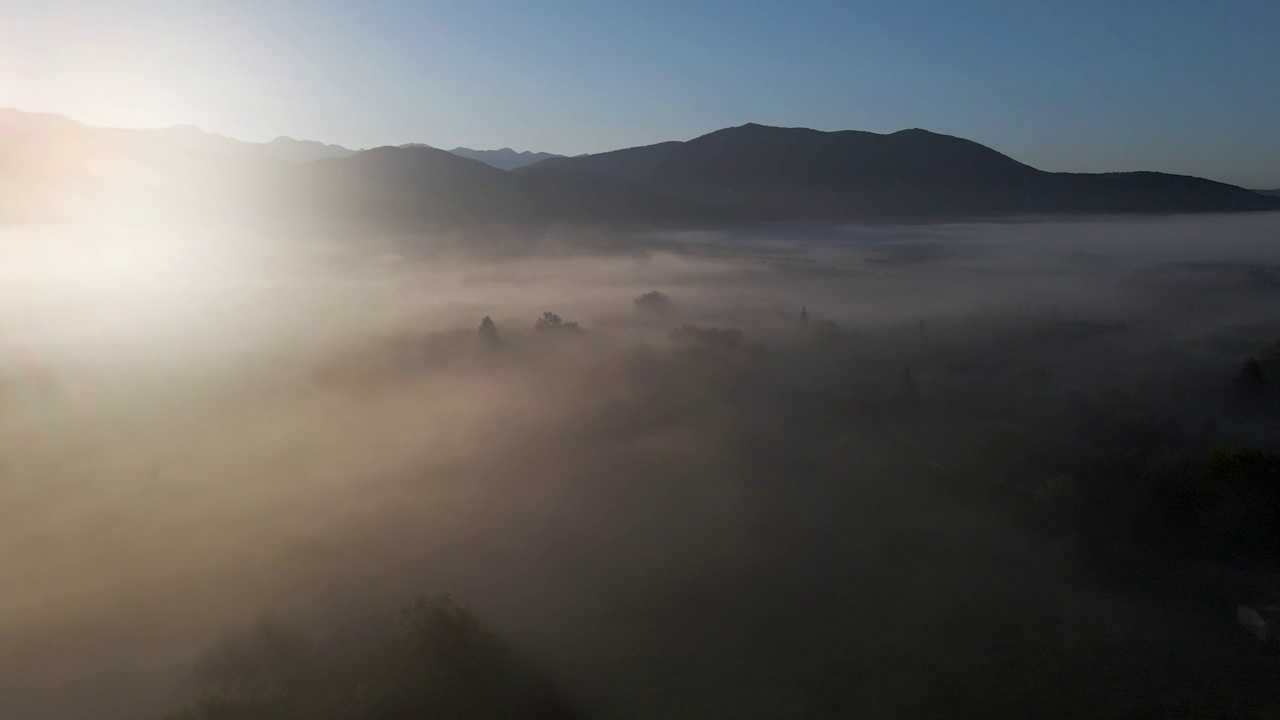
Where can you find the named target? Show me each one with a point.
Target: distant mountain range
(504, 159)
(796, 173)
(53, 168)
(1272, 193)
(178, 137)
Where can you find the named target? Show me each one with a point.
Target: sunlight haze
(573, 360)
(1088, 86)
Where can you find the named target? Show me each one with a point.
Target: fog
(202, 427)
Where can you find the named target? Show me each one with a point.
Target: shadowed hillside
(504, 159)
(52, 168)
(797, 173)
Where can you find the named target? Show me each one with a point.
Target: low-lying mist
(826, 472)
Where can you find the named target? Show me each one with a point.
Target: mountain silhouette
(27, 135)
(417, 186)
(282, 148)
(802, 174)
(506, 158)
(406, 186)
(302, 151)
(53, 168)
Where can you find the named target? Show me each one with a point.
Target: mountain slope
(181, 137)
(282, 148)
(52, 169)
(302, 151)
(504, 159)
(406, 186)
(797, 173)
(419, 186)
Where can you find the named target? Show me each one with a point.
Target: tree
(1224, 504)
(908, 387)
(706, 338)
(437, 660)
(548, 322)
(488, 332)
(1249, 376)
(653, 302)
(551, 322)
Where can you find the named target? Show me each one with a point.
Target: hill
(185, 137)
(802, 174)
(504, 159)
(301, 151)
(419, 186)
(53, 168)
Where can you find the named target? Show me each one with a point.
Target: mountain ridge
(53, 167)
(801, 173)
(280, 148)
(504, 158)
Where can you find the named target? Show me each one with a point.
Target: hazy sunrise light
(399, 360)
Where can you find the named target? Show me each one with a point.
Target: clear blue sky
(1174, 85)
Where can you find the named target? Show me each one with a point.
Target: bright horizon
(1097, 87)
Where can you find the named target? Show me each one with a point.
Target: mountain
(303, 151)
(180, 137)
(420, 185)
(1272, 193)
(54, 169)
(802, 174)
(187, 136)
(504, 159)
(282, 148)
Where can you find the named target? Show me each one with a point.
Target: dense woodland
(770, 472)
(1159, 482)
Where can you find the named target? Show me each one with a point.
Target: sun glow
(150, 67)
(68, 291)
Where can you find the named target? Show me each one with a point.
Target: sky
(1184, 86)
